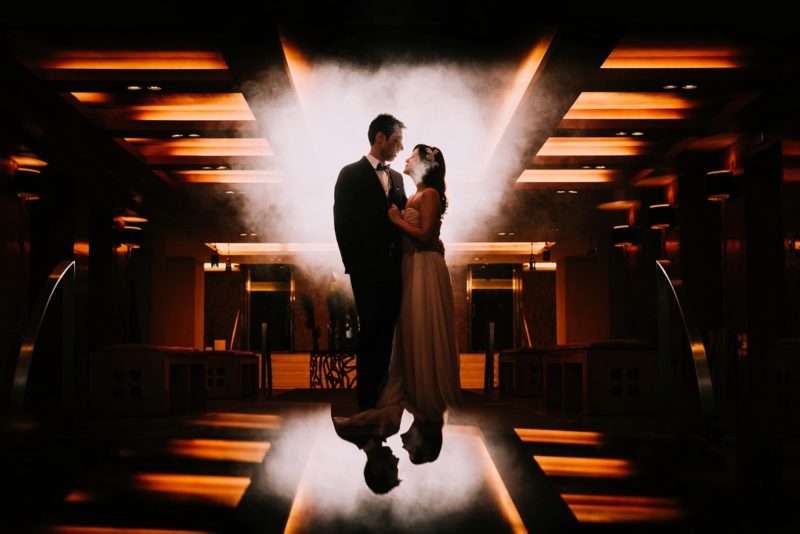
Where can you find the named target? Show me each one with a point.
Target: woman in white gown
(423, 372)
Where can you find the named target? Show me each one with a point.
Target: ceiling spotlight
(670, 87)
(243, 235)
(510, 233)
(560, 191)
(176, 135)
(586, 167)
(501, 233)
(230, 192)
(622, 133)
(599, 166)
(207, 167)
(690, 86)
(134, 88)
(221, 167)
(194, 135)
(153, 87)
(253, 235)
(573, 191)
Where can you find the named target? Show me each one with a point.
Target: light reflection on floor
(462, 487)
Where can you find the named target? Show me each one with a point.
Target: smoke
(450, 106)
(332, 480)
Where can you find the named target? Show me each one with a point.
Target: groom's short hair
(384, 123)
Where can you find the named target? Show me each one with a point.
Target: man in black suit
(370, 247)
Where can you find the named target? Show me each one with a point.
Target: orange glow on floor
(218, 490)
(215, 449)
(239, 420)
(622, 509)
(172, 107)
(134, 60)
(495, 482)
(573, 437)
(639, 55)
(566, 466)
(230, 177)
(84, 529)
(237, 146)
(594, 146)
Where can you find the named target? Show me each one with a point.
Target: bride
(423, 372)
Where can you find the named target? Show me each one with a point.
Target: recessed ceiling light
(253, 235)
(637, 133)
(573, 191)
(587, 167)
(243, 235)
(622, 133)
(690, 86)
(230, 192)
(153, 87)
(599, 166)
(670, 87)
(510, 233)
(221, 167)
(501, 233)
(176, 135)
(207, 167)
(560, 191)
(194, 135)
(134, 88)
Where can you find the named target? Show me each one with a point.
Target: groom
(370, 247)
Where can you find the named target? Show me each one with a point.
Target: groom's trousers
(377, 303)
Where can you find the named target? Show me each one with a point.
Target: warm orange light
(216, 449)
(299, 68)
(635, 54)
(236, 146)
(656, 181)
(544, 177)
(230, 177)
(594, 146)
(80, 496)
(29, 162)
(643, 106)
(622, 509)
(540, 435)
(134, 60)
(490, 248)
(513, 95)
(218, 490)
(240, 420)
(585, 467)
(173, 107)
(618, 205)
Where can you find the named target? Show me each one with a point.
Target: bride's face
(414, 166)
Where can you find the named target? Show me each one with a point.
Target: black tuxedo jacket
(368, 241)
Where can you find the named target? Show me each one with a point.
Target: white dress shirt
(382, 175)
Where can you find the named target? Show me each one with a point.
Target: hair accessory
(430, 155)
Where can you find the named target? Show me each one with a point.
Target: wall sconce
(624, 236)
(28, 184)
(662, 216)
(720, 185)
(129, 236)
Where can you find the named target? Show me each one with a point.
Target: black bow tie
(382, 167)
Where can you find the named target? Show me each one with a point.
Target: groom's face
(393, 145)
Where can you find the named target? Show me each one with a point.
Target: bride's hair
(434, 170)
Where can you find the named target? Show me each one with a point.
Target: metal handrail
(63, 275)
(674, 291)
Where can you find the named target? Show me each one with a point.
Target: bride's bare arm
(429, 214)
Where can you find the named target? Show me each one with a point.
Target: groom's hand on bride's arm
(394, 214)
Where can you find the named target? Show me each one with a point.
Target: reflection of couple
(397, 270)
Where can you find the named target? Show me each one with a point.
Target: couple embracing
(407, 356)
